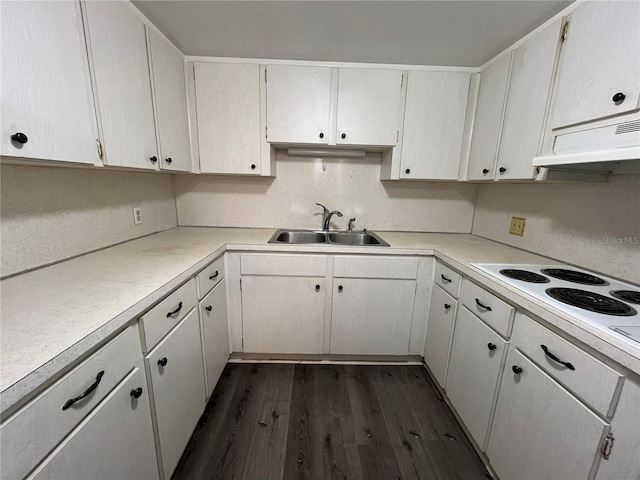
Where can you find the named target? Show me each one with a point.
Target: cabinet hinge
(265, 75)
(99, 145)
(240, 284)
(607, 445)
(565, 32)
(397, 136)
(402, 80)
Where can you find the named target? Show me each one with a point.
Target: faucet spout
(327, 219)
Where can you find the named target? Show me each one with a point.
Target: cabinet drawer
(159, 321)
(285, 265)
(591, 380)
(210, 276)
(376, 267)
(448, 279)
(486, 306)
(29, 435)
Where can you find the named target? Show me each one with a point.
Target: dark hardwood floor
(284, 421)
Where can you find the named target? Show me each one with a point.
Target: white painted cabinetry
(170, 95)
(117, 38)
(434, 120)
(215, 334)
(46, 88)
(442, 314)
(600, 58)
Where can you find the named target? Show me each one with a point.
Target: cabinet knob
(168, 160)
(153, 159)
(407, 171)
(20, 138)
(485, 171)
(163, 362)
(447, 306)
(502, 169)
(136, 392)
(344, 135)
(208, 308)
(321, 135)
(339, 288)
(516, 369)
(618, 98)
(253, 166)
(317, 288)
(491, 346)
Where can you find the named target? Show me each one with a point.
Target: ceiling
(452, 32)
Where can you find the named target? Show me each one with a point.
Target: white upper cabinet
(228, 106)
(600, 59)
(368, 106)
(46, 88)
(488, 120)
(434, 121)
(121, 69)
(527, 101)
(298, 104)
(170, 94)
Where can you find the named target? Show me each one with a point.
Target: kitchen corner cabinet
(47, 103)
(118, 47)
(434, 121)
(176, 372)
(442, 314)
(599, 59)
(228, 110)
(215, 334)
(170, 97)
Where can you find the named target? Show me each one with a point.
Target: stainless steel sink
(355, 238)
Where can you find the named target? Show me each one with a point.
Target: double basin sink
(354, 238)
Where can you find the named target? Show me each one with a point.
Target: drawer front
(448, 279)
(285, 265)
(29, 435)
(486, 306)
(442, 314)
(167, 314)
(591, 380)
(210, 276)
(376, 267)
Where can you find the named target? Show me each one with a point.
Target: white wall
(596, 226)
(351, 186)
(49, 214)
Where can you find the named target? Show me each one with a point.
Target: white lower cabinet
(540, 431)
(114, 442)
(477, 355)
(215, 334)
(442, 315)
(176, 371)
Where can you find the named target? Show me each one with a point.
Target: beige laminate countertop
(53, 316)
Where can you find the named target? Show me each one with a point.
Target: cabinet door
(298, 104)
(116, 441)
(121, 68)
(434, 118)
(371, 316)
(283, 314)
(46, 88)
(228, 106)
(488, 121)
(215, 334)
(529, 89)
(599, 58)
(170, 94)
(474, 370)
(177, 379)
(442, 314)
(368, 106)
(539, 430)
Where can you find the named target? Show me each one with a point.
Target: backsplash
(49, 214)
(351, 186)
(595, 226)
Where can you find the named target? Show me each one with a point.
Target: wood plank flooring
(285, 421)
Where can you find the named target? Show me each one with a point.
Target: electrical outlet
(137, 215)
(517, 226)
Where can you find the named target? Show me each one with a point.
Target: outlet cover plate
(137, 215)
(517, 226)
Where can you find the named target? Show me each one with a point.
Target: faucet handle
(326, 210)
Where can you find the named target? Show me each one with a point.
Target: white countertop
(53, 316)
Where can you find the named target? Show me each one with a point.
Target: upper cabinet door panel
(434, 124)
(228, 106)
(298, 104)
(368, 106)
(486, 126)
(46, 88)
(600, 57)
(529, 88)
(171, 104)
(121, 66)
